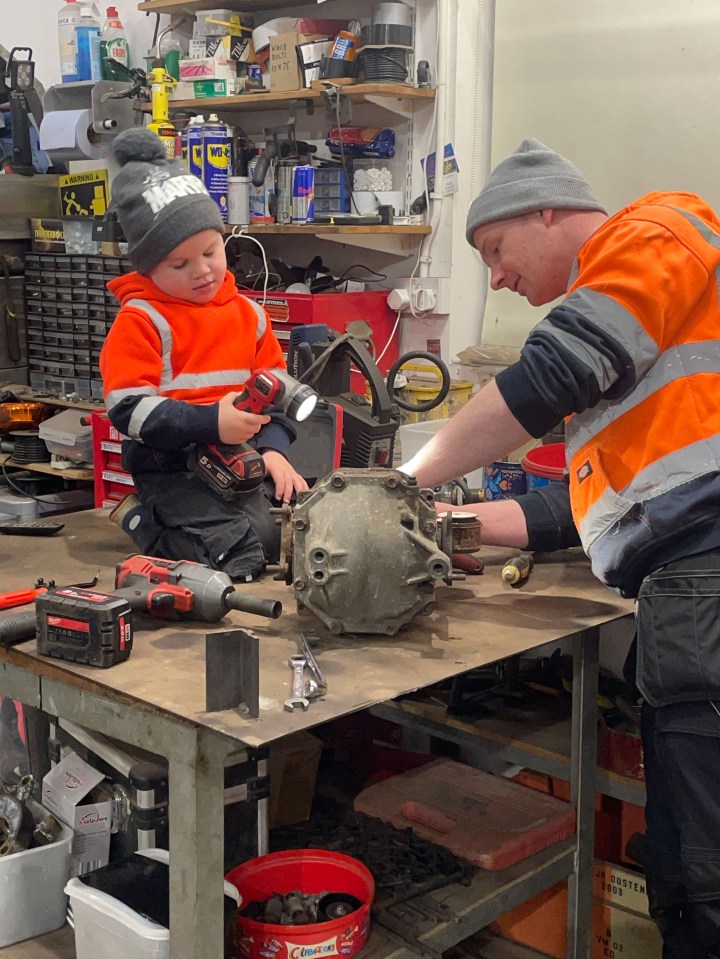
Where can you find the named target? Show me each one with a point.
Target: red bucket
(544, 464)
(312, 871)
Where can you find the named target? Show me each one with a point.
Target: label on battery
(63, 623)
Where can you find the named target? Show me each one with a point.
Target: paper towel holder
(110, 114)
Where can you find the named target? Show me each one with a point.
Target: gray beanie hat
(158, 202)
(534, 177)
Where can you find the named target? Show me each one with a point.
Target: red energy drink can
(303, 194)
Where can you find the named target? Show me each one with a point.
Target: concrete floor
(55, 945)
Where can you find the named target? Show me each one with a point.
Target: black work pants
(187, 520)
(681, 744)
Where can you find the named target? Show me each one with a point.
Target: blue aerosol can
(194, 139)
(217, 161)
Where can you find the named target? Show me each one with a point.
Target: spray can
(216, 161)
(259, 198)
(285, 181)
(194, 145)
(68, 16)
(303, 194)
(87, 39)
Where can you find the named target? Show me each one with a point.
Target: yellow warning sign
(85, 194)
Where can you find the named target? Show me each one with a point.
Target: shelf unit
(27, 394)
(193, 6)
(539, 741)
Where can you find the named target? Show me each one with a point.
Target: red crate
(336, 310)
(112, 482)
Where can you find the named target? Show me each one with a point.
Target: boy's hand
(235, 426)
(286, 480)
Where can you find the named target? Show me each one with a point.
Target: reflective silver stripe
(675, 469)
(619, 323)
(165, 334)
(261, 316)
(598, 363)
(113, 398)
(190, 381)
(141, 413)
(674, 364)
(703, 228)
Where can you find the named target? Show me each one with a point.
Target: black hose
(428, 404)
(17, 627)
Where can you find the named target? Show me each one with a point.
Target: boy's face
(195, 270)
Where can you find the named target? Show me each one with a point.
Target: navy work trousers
(681, 744)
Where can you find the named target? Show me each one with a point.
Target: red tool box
(112, 482)
(336, 310)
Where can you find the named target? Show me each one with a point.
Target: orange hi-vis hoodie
(631, 357)
(166, 363)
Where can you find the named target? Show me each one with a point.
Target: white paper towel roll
(68, 135)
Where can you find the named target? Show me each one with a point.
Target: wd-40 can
(303, 194)
(216, 161)
(195, 145)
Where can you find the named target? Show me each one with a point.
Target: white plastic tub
(32, 887)
(107, 928)
(413, 436)
(67, 436)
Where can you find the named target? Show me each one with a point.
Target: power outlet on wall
(421, 295)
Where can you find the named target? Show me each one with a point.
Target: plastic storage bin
(544, 464)
(32, 887)
(106, 927)
(66, 436)
(413, 436)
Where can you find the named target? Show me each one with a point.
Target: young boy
(178, 353)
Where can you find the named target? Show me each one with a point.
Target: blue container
(216, 147)
(303, 194)
(195, 149)
(503, 480)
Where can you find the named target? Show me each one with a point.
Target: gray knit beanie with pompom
(158, 202)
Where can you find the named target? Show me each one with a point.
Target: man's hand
(236, 426)
(286, 480)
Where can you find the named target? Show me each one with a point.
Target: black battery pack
(84, 626)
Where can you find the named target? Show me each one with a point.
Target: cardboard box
(230, 46)
(217, 68)
(66, 235)
(285, 65)
(70, 793)
(293, 766)
(202, 89)
(621, 924)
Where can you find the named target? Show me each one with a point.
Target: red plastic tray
(486, 820)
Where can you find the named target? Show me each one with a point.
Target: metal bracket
(232, 671)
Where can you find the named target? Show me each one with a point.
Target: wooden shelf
(75, 473)
(539, 740)
(27, 394)
(372, 92)
(193, 6)
(314, 229)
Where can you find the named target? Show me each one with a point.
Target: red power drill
(232, 469)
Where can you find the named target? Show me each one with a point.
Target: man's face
(195, 270)
(527, 255)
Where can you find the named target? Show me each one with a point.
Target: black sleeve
(551, 380)
(549, 518)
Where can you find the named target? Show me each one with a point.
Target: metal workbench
(156, 700)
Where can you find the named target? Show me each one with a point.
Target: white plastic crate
(32, 887)
(106, 927)
(66, 436)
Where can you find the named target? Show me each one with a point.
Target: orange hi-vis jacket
(631, 359)
(645, 466)
(166, 363)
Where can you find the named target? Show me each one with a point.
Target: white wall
(34, 23)
(630, 91)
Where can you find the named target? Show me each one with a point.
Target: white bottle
(68, 16)
(87, 36)
(113, 47)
